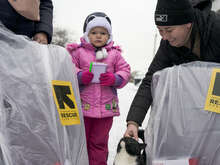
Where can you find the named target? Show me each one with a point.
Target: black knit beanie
(173, 12)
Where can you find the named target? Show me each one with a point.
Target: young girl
(99, 100)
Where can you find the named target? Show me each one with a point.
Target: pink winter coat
(99, 101)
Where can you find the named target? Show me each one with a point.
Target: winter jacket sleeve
(46, 19)
(143, 98)
(73, 50)
(202, 4)
(118, 80)
(122, 68)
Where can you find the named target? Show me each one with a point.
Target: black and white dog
(130, 152)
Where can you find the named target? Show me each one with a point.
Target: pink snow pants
(97, 134)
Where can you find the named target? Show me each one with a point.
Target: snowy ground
(126, 96)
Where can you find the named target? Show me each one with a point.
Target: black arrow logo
(61, 94)
(216, 88)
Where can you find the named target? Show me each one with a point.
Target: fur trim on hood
(71, 47)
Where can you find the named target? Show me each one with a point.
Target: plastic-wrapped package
(178, 126)
(31, 132)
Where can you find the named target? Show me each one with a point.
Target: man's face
(176, 35)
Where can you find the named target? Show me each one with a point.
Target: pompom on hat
(97, 19)
(173, 12)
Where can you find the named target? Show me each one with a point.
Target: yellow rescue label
(213, 97)
(66, 103)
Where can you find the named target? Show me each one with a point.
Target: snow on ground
(126, 96)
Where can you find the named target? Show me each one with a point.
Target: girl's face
(176, 35)
(98, 36)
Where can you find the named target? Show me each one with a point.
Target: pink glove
(86, 77)
(57, 164)
(107, 79)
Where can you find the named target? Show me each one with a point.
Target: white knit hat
(97, 19)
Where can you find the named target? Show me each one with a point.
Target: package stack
(184, 124)
(31, 130)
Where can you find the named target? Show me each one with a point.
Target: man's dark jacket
(20, 25)
(208, 26)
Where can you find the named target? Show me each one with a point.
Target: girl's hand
(107, 79)
(86, 77)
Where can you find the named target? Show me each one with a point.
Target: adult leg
(8, 15)
(14, 21)
(25, 27)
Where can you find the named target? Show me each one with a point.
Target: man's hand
(41, 38)
(132, 131)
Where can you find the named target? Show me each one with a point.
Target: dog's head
(129, 152)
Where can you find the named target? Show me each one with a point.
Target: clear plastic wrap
(179, 127)
(30, 129)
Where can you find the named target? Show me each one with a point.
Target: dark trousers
(14, 21)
